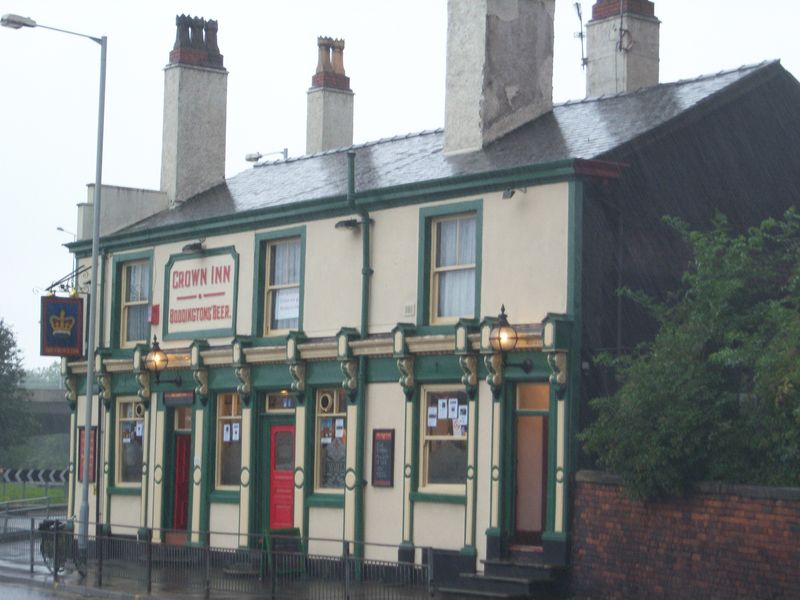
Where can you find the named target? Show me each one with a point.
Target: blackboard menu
(383, 457)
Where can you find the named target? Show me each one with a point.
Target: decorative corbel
(469, 365)
(199, 372)
(298, 372)
(104, 383)
(557, 361)
(143, 379)
(494, 365)
(405, 365)
(71, 393)
(350, 381)
(200, 376)
(244, 387)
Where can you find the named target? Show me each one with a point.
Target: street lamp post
(16, 22)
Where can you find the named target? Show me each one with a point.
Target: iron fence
(273, 566)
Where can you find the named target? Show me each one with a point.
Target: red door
(281, 478)
(180, 505)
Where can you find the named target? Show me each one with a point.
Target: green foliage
(16, 422)
(49, 376)
(716, 395)
(18, 491)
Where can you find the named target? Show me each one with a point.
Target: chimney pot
(329, 123)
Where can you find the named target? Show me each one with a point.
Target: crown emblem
(62, 324)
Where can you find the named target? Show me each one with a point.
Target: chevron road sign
(41, 476)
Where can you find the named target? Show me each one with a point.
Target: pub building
(390, 343)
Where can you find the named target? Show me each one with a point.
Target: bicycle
(58, 545)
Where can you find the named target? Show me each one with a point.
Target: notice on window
(139, 429)
(432, 420)
(325, 430)
(442, 408)
(226, 432)
(287, 304)
(339, 428)
(463, 415)
(235, 432)
(452, 408)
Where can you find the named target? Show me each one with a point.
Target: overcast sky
(394, 56)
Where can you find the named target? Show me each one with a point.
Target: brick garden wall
(724, 542)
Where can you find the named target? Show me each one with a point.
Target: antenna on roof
(581, 35)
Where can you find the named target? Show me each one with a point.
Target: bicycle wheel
(78, 558)
(47, 551)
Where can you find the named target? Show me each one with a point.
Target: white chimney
(329, 123)
(622, 47)
(499, 69)
(195, 97)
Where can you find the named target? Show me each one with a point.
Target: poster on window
(432, 416)
(442, 408)
(235, 432)
(463, 415)
(287, 304)
(226, 432)
(452, 408)
(326, 430)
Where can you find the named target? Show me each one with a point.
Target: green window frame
(330, 441)
(129, 442)
(271, 283)
(438, 267)
(131, 302)
(228, 459)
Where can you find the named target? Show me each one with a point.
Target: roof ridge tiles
(642, 90)
(367, 144)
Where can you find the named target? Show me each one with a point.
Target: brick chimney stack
(622, 46)
(499, 69)
(195, 98)
(329, 123)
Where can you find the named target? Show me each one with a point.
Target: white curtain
(285, 270)
(137, 289)
(456, 247)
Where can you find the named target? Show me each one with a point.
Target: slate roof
(585, 129)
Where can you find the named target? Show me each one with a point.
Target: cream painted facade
(522, 264)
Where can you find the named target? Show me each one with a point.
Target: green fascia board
(323, 373)
(203, 333)
(261, 276)
(116, 289)
(124, 384)
(222, 379)
(270, 378)
(332, 206)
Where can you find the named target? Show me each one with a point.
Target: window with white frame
(331, 440)
(229, 440)
(130, 438)
(282, 298)
(135, 302)
(453, 267)
(445, 428)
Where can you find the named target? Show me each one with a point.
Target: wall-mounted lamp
(509, 193)
(349, 224)
(194, 247)
(503, 339)
(156, 361)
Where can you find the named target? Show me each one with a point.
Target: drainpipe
(366, 273)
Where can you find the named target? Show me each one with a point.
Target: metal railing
(214, 564)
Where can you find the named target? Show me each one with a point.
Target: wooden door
(180, 503)
(531, 478)
(281, 477)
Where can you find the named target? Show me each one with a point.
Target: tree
(16, 421)
(716, 394)
(45, 376)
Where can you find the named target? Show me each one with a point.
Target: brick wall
(724, 542)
